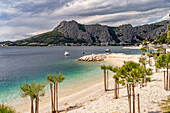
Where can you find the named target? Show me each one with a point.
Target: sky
(21, 19)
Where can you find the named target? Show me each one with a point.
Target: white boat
(66, 53)
(107, 50)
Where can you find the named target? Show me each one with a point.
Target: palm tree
(103, 67)
(160, 51)
(142, 50)
(116, 85)
(55, 80)
(163, 62)
(130, 74)
(39, 91)
(142, 60)
(33, 90)
(155, 57)
(149, 55)
(28, 90)
(145, 44)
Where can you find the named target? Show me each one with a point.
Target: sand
(150, 96)
(93, 99)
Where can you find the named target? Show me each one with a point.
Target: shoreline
(23, 104)
(91, 97)
(150, 96)
(90, 92)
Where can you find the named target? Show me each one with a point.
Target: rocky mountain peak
(74, 32)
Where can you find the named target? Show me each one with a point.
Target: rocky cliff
(73, 32)
(101, 34)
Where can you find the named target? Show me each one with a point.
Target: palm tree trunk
(115, 90)
(169, 82)
(149, 61)
(118, 91)
(129, 100)
(105, 80)
(32, 106)
(52, 104)
(164, 81)
(130, 87)
(133, 89)
(56, 97)
(138, 104)
(167, 78)
(148, 50)
(37, 105)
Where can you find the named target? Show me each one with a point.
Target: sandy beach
(92, 99)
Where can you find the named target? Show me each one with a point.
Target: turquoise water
(27, 64)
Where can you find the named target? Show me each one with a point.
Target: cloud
(21, 19)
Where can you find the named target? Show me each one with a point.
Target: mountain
(73, 32)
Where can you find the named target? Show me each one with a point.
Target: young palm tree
(160, 51)
(55, 80)
(28, 90)
(39, 91)
(149, 55)
(142, 60)
(130, 74)
(142, 50)
(163, 62)
(33, 90)
(104, 68)
(116, 85)
(155, 57)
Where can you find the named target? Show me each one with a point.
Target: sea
(28, 64)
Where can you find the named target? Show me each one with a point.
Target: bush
(6, 109)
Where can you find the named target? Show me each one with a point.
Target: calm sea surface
(27, 64)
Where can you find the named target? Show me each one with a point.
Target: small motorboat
(66, 53)
(107, 50)
(83, 52)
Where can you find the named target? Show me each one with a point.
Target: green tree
(28, 90)
(116, 85)
(33, 90)
(138, 44)
(130, 74)
(160, 51)
(163, 62)
(6, 109)
(142, 50)
(150, 55)
(168, 35)
(155, 57)
(104, 68)
(162, 39)
(39, 91)
(53, 78)
(143, 61)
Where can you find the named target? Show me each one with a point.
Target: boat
(66, 53)
(107, 50)
(83, 52)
